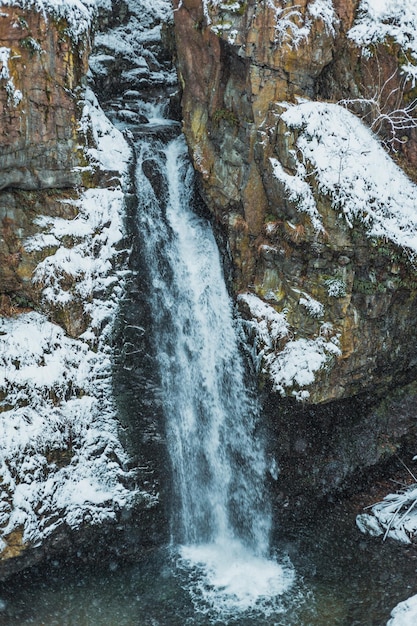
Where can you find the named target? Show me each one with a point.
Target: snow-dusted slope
(349, 166)
(379, 20)
(61, 459)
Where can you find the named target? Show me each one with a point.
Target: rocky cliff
(300, 118)
(44, 60)
(268, 89)
(65, 476)
(300, 122)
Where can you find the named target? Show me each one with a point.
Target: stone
(41, 75)
(233, 85)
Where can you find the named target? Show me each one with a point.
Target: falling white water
(221, 519)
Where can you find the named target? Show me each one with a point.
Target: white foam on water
(228, 579)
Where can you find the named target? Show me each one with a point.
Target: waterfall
(221, 517)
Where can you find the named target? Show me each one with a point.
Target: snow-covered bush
(383, 106)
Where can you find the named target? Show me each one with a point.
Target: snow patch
(314, 308)
(79, 14)
(349, 166)
(379, 20)
(88, 246)
(405, 613)
(14, 95)
(298, 190)
(291, 364)
(336, 287)
(128, 40)
(292, 27)
(111, 151)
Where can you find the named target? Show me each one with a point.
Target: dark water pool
(342, 579)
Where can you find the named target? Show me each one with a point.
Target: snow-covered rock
(62, 462)
(337, 156)
(405, 613)
(291, 364)
(394, 517)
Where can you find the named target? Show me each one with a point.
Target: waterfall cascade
(221, 515)
(221, 518)
(220, 569)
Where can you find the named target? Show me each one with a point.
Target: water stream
(343, 579)
(221, 516)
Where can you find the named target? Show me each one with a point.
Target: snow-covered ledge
(405, 613)
(290, 363)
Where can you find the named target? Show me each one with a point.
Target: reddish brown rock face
(346, 11)
(40, 74)
(235, 64)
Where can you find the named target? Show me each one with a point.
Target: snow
(61, 459)
(324, 10)
(111, 151)
(351, 168)
(291, 364)
(144, 26)
(14, 95)
(298, 363)
(336, 287)
(405, 613)
(79, 14)
(314, 308)
(379, 20)
(298, 190)
(272, 326)
(394, 517)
